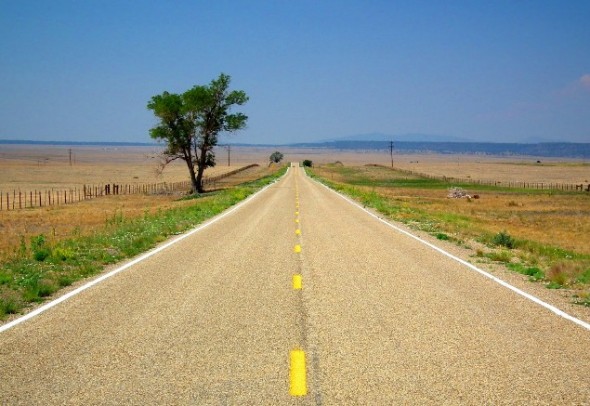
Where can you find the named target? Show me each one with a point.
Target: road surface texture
(297, 297)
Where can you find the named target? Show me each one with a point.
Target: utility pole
(391, 152)
(228, 147)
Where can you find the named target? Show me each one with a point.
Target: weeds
(39, 248)
(534, 273)
(500, 256)
(504, 239)
(582, 299)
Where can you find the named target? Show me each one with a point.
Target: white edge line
(129, 264)
(535, 299)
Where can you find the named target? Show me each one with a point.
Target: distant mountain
(554, 149)
(408, 137)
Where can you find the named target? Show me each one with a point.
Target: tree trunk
(194, 182)
(202, 164)
(199, 179)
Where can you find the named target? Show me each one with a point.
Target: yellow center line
(297, 282)
(298, 231)
(297, 374)
(297, 248)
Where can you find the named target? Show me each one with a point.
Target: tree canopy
(276, 157)
(190, 124)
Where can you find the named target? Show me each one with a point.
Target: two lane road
(297, 274)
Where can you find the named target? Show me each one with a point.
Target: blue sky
(480, 70)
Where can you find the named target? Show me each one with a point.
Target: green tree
(276, 157)
(190, 124)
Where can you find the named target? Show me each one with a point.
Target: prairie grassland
(546, 233)
(48, 167)
(505, 169)
(19, 169)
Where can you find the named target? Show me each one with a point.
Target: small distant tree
(190, 124)
(307, 162)
(276, 157)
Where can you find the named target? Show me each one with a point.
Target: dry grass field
(546, 218)
(48, 167)
(560, 219)
(41, 168)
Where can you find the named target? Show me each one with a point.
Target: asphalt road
(297, 297)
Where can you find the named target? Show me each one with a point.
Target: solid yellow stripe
(297, 374)
(297, 282)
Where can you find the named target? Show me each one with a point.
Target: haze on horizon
(484, 71)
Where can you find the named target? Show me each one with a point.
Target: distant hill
(409, 137)
(549, 149)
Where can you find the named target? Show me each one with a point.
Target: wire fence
(20, 199)
(508, 184)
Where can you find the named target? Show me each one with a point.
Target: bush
(307, 163)
(504, 239)
(40, 250)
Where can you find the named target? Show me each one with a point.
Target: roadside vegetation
(42, 264)
(544, 235)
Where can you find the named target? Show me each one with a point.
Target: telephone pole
(228, 147)
(391, 152)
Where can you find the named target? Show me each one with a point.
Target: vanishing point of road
(296, 297)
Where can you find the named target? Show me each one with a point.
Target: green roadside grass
(553, 266)
(39, 269)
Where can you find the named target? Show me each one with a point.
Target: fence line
(509, 184)
(18, 199)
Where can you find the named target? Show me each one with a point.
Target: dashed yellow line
(298, 231)
(297, 374)
(297, 282)
(297, 248)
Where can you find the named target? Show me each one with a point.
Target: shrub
(8, 306)
(39, 248)
(62, 254)
(307, 163)
(504, 239)
(442, 236)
